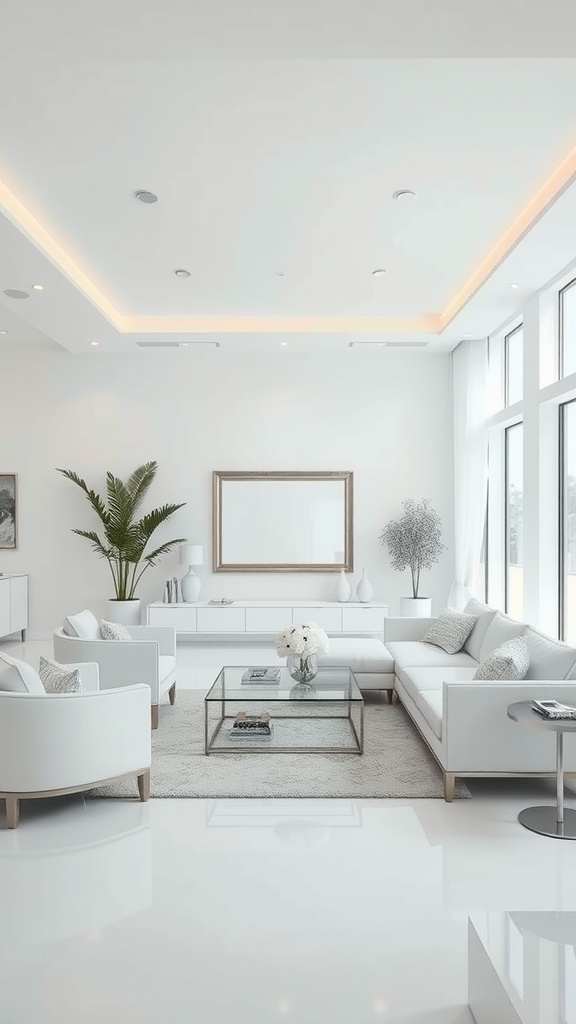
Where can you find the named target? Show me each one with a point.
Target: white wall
(387, 416)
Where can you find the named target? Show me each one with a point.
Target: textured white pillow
(18, 676)
(113, 631)
(59, 678)
(83, 625)
(509, 661)
(450, 631)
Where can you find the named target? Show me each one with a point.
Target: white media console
(13, 603)
(262, 618)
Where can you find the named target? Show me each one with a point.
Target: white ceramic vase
(416, 607)
(127, 613)
(364, 590)
(343, 588)
(190, 586)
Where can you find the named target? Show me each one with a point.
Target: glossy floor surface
(316, 912)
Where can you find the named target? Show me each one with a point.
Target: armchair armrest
(89, 675)
(165, 637)
(405, 628)
(60, 741)
(479, 736)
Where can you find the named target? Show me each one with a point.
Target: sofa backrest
(549, 659)
(485, 615)
(500, 629)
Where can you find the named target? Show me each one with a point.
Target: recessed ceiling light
(379, 272)
(145, 197)
(182, 273)
(284, 344)
(514, 285)
(404, 195)
(95, 343)
(3, 332)
(15, 293)
(381, 344)
(38, 287)
(184, 344)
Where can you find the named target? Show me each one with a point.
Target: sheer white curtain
(470, 400)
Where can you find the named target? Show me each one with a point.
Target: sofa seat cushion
(166, 666)
(362, 654)
(549, 659)
(484, 614)
(429, 703)
(500, 630)
(416, 680)
(83, 625)
(415, 653)
(18, 676)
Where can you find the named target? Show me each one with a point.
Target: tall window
(514, 521)
(568, 521)
(514, 366)
(567, 311)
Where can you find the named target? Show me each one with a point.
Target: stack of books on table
(261, 676)
(552, 709)
(252, 727)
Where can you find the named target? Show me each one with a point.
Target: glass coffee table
(325, 717)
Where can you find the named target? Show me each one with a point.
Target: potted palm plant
(124, 537)
(414, 542)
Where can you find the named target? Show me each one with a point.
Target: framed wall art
(8, 511)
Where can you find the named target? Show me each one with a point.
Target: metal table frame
(556, 822)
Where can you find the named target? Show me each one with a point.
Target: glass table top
(329, 684)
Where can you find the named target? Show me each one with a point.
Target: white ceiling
(267, 165)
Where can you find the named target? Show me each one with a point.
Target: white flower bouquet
(307, 638)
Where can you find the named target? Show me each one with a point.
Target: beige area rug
(396, 762)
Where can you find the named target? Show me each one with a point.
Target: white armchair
(150, 658)
(57, 743)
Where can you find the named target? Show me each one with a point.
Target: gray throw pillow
(451, 630)
(59, 678)
(509, 661)
(113, 631)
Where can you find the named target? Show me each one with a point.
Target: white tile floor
(256, 911)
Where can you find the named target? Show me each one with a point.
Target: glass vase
(302, 667)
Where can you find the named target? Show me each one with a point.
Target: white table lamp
(191, 554)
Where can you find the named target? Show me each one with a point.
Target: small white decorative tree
(414, 540)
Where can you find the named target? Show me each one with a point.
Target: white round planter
(127, 613)
(416, 607)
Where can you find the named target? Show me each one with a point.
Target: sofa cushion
(415, 680)
(416, 653)
(450, 631)
(509, 661)
(549, 659)
(484, 615)
(18, 677)
(429, 703)
(499, 631)
(363, 654)
(83, 625)
(59, 678)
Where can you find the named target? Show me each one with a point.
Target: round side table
(556, 821)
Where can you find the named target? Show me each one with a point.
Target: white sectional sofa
(464, 722)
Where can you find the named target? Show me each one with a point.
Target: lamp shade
(191, 554)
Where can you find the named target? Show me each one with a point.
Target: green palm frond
(125, 538)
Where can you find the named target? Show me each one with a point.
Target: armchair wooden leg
(12, 811)
(449, 782)
(144, 786)
(154, 716)
(172, 693)
(390, 696)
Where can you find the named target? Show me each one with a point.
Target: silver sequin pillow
(451, 630)
(113, 631)
(509, 661)
(59, 678)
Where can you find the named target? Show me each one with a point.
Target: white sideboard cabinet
(13, 604)
(264, 618)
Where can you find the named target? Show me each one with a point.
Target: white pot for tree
(127, 613)
(416, 607)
